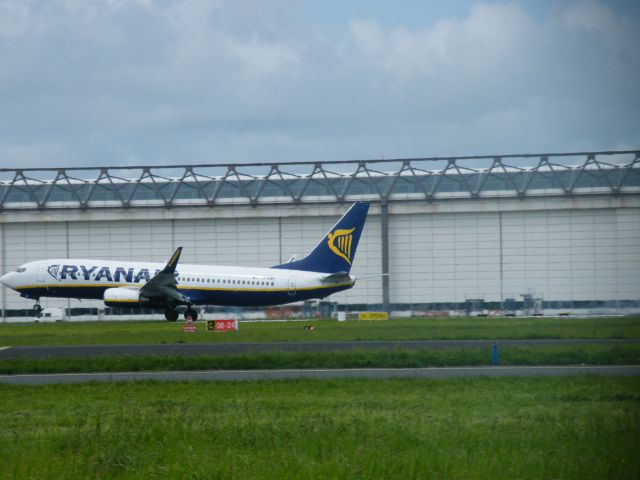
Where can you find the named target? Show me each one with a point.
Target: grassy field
(392, 358)
(105, 333)
(582, 427)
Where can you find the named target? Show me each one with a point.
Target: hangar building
(495, 232)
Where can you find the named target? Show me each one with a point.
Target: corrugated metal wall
(558, 255)
(436, 254)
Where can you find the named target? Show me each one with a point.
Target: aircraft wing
(163, 286)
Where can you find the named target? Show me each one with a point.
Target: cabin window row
(226, 281)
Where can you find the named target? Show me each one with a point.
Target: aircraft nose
(6, 279)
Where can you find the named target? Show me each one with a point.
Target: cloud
(124, 81)
(490, 35)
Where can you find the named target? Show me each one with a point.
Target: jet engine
(123, 297)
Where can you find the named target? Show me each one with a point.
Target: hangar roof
(611, 172)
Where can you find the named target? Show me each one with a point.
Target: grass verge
(528, 428)
(110, 333)
(397, 358)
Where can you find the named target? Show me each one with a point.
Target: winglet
(173, 262)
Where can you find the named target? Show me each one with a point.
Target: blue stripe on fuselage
(199, 296)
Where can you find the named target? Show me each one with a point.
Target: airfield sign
(188, 326)
(222, 325)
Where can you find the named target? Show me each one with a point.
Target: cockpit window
(21, 269)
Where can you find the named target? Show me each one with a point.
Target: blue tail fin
(336, 251)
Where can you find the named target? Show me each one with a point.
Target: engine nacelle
(123, 297)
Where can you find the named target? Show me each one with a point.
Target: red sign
(188, 326)
(222, 325)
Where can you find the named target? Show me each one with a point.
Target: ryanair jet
(152, 285)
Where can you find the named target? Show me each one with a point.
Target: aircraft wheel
(171, 315)
(191, 313)
(37, 308)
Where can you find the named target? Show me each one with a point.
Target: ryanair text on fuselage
(119, 275)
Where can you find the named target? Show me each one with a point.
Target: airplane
(324, 271)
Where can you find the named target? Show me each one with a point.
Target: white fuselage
(203, 284)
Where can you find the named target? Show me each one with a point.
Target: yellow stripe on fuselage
(195, 287)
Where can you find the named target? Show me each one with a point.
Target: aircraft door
(292, 285)
(40, 272)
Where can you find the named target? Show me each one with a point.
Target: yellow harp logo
(340, 243)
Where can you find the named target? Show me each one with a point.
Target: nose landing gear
(37, 308)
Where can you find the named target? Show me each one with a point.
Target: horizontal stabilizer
(339, 277)
(366, 277)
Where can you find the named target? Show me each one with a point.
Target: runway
(190, 349)
(320, 374)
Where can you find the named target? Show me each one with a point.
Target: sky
(144, 82)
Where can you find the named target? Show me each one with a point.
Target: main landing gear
(172, 315)
(37, 308)
(191, 313)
